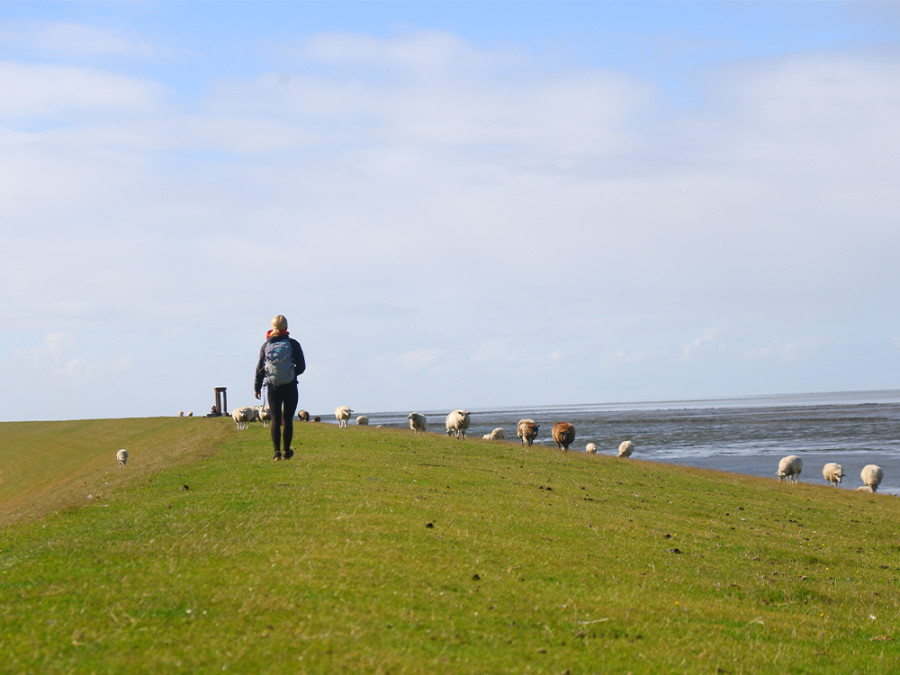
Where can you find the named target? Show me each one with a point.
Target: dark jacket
(296, 357)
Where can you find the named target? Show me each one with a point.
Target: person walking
(280, 363)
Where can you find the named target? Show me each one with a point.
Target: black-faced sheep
(564, 434)
(457, 422)
(416, 422)
(790, 467)
(527, 430)
(303, 415)
(342, 413)
(833, 473)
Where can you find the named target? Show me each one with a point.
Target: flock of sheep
(563, 433)
(790, 467)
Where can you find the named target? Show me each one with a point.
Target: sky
(455, 204)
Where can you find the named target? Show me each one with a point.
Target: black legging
(283, 405)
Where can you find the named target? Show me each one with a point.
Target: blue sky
(456, 204)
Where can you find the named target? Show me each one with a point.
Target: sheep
(303, 415)
(563, 433)
(190, 413)
(242, 416)
(122, 456)
(626, 448)
(591, 448)
(181, 413)
(833, 473)
(416, 422)
(457, 422)
(871, 475)
(254, 413)
(362, 421)
(342, 413)
(494, 435)
(265, 415)
(527, 430)
(790, 467)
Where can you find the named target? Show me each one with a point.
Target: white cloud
(700, 343)
(78, 39)
(445, 208)
(57, 91)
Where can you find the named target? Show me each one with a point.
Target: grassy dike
(377, 550)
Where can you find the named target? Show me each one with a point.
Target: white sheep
(242, 416)
(626, 448)
(833, 473)
(122, 456)
(790, 467)
(457, 422)
(563, 433)
(181, 413)
(265, 415)
(362, 421)
(591, 448)
(527, 430)
(190, 413)
(303, 415)
(495, 435)
(416, 422)
(342, 413)
(871, 475)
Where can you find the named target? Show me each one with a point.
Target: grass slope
(382, 551)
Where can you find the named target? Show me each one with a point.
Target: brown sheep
(564, 434)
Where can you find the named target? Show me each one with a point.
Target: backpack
(279, 363)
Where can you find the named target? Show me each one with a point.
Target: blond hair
(279, 324)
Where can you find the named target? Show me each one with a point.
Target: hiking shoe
(276, 457)
(288, 453)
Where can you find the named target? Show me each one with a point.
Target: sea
(744, 435)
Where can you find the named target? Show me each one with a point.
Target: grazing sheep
(265, 415)
(317, 419)
(563, 433)
(362, 421)
(591, 448)
(457, 422)
(790, 467)
(181, 413)
(527, 430)
(190, 413)
(833, 473)
(303, 415)
(871, 475)
(342, 413)
(495, 435)
(242, 416)
(122, 456)
(626, 448)
(416, 422)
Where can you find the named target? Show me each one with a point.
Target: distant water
(740, 435)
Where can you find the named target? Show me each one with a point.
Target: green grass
(378, 550)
